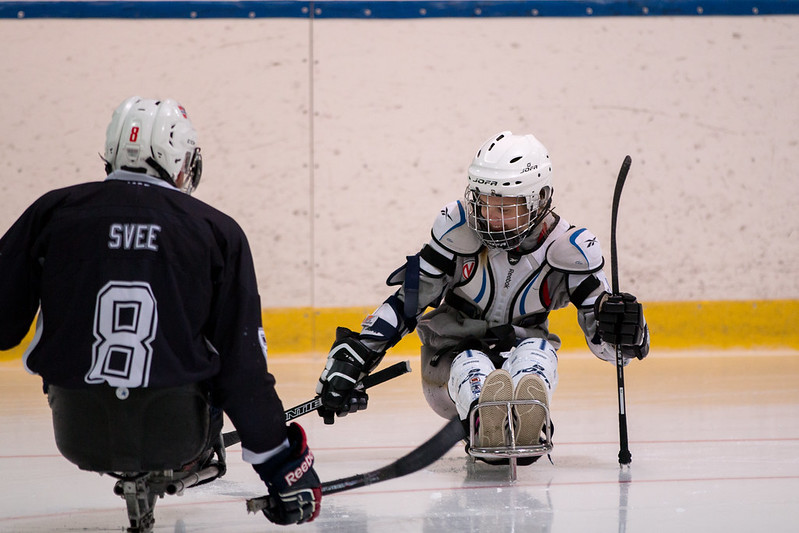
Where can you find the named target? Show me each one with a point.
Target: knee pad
(466, 376)
(536, 356)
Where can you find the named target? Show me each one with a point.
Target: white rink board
(335, 142)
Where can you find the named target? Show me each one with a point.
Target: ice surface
(714, 439)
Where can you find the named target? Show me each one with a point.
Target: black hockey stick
(426, 454)
(625, 457)
(403, 367)
(423, 456)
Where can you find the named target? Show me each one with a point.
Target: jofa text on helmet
(483, 181)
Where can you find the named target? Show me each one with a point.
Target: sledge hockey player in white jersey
(498, 262)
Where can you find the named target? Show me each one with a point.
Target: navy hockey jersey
(140, 285)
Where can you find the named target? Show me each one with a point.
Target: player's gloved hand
(620, 321)
(295, 492)
(348, 362)
(358, 401)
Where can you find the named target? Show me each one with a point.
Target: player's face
(504, 213)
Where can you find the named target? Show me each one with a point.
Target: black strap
(411, 291)
(534, 320)
(470, 309)
(161, 171)
(585, 288)
(435, 258)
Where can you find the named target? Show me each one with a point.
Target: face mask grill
(500, 221)
(192, 170)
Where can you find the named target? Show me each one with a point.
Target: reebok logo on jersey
(508, 278)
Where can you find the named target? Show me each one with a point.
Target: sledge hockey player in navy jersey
(498, 262)
(149, 317)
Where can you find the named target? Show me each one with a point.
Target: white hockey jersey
(474, 288)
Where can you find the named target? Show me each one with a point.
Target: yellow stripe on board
(768, 324)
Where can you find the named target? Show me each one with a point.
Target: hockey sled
(154, 441)
(510, 452)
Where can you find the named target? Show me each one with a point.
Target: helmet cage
(192, 170)
(511, 222)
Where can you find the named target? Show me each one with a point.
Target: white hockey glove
(620, 321)
(348, 362)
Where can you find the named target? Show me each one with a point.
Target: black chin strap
(163, 174)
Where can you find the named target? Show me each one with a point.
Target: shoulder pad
(576, 251)
(451, 231)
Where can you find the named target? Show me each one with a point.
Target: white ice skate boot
(529, 419)
(493, 420)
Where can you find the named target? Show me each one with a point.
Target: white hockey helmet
(508, 167)
(156, 137)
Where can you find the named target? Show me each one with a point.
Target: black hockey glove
(295, 492)
(348, 362)
(620, 321)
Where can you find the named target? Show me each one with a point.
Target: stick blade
(426, 454)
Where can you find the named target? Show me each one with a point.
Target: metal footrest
(140, 499)
(141, 491)
(511, 451)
